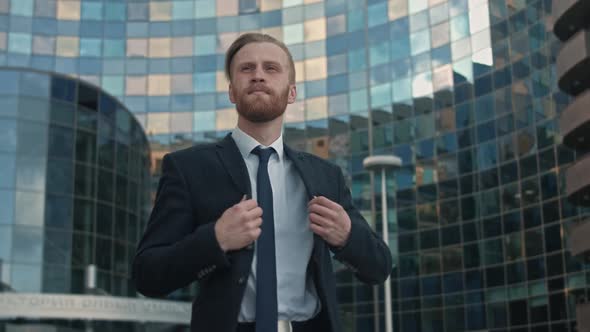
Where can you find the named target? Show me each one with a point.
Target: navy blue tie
(266, 267)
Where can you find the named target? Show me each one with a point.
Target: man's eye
(271, 68)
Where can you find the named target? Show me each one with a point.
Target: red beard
(262, 107)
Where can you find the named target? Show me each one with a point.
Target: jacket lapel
(234, 164)
(306, 171)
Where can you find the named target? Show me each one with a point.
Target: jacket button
(242, 280)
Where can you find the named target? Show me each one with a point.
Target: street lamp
(383, 163)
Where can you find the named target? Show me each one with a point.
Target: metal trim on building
(570, 17)
(578, 182)
(579, 234)
(574, 123)
(573, 64)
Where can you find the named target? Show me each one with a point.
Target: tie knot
(263, 154)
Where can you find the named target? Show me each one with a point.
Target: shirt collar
(247, 143)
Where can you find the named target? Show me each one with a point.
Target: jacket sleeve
(364, 253)
(174, 251)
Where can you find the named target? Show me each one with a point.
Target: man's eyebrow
(265, 62)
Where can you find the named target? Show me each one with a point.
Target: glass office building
(74, 187)
(464, 91)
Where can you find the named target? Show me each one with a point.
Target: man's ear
(292, 94)
(231, 94)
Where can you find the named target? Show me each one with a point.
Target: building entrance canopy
(88, 307)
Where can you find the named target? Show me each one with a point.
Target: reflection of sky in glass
(479, 18)
(485, 57)
(26, 278)
(5, 242)
(464, 68)
(30, 208)
(401, 89)
(7, 169)
(422, 85)
(459, 27)
(21, 7)
(27, 245)
(417, 5)
(420, 41)
(30, 173)
(380, 95)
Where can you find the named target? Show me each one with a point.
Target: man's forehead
(261, 51)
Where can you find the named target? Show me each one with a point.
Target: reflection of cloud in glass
(458, 6)
(30, 208)
(479, 18)
(422, 85)
(463, 70)
(484, 57)
(417, 6)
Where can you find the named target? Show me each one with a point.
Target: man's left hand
(329, 220)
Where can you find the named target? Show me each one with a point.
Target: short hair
(253, 37)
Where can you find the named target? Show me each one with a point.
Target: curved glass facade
(464, 91)
(74, 187)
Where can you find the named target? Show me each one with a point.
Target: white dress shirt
(297, 296)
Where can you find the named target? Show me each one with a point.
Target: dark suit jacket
(179, 245)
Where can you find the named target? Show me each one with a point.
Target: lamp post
(383, 163)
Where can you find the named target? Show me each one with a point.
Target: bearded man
(253, 221)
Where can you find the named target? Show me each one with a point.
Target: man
(253, 221)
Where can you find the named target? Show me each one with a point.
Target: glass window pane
(315, 30)
(204, 8)
(44, 45)
(21, 7)
(420, 41)
(459, 27)
(205, 45)
(479, 18)
(90, 47)
(204, 121)
(160, 11)
(91, 10)
(7, 136)
(58, 212)
(115, 11)
(158, 123)
(136, 85)
(26, 278)
(204, 82)
(226, 119)
(182, 10)
(29, 208)
(5, 242)
(293, 33)
(30, 173)
(397, 9)
(417, 5)
(159, 47)
(7, 211)
(19, 43)
(68, 10)
(182, 46)
(315, 69)
(159, 85)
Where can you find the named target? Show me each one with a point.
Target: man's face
(259, 84)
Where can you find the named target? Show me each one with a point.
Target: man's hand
(239, 225)
(329, 220)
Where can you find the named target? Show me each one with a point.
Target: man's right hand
(239, 225)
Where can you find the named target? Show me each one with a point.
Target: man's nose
(258, 75)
